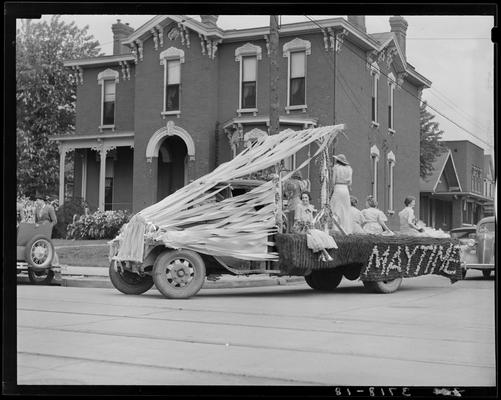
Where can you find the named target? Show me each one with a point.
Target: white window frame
(391, 102)
(171, 54)
(375, 72)
(390, 157)
(294, 46)
(374, 153)
(247, 50)
(108, 75)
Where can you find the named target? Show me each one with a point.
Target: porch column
(62, 156)
(102, 176)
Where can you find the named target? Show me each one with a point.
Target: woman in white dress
(375, 219)
(340, 199)
(356, 216)
(407, 219)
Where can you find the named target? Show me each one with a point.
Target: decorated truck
(224, 223)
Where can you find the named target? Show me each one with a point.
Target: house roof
(430, 183)
(367, 42)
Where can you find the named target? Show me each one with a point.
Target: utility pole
(275, 111)
(274, 76)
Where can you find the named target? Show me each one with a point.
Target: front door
(171, 166)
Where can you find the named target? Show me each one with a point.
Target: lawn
(84, 253)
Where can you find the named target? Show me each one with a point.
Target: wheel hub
(180, 272)
(39, 253)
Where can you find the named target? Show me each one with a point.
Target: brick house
(461, 189)
(179, 97)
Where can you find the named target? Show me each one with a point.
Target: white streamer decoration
(238, 226)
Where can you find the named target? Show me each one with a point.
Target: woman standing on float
(340, 200)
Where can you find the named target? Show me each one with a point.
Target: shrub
(99, 225)
(65, 215)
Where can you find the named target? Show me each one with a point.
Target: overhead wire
(427, 104)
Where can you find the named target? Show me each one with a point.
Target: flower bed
(99, 225)
(381, 257)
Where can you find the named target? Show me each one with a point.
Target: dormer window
(374, 97)
(248, 56)
(108, 80)
(296, 52)
(171, 59)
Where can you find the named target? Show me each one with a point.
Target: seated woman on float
(375, 219)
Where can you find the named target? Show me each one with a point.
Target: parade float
(224, 223)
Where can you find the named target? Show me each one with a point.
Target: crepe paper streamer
(237, 227)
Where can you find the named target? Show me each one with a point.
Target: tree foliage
(45, 96)
(430, 141)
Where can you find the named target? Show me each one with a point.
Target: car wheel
(486, 273)
(39, 252)
(129, 282)
(179, 274)
(324, 280)
(42, 277)
(383, 286)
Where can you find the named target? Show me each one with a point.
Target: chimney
(209, 20)
(358, 21)
(120, 32)
(399, 28)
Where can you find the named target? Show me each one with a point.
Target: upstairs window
(374, 95)
(249, 82)
(297, 94)
(296, 51)
(391, 107)
(173, 80)
(248, 56)
(171, 59)
(108, 80)
(109, 103)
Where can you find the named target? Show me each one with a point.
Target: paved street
(429, 333)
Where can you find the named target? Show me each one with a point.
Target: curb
(100, 282)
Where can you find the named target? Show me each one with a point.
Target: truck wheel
(39, 252)
(463, 273)
(129, 282)
(383, 286)
(179, 274)
(43, 277)
(486, 273)
(324, 280)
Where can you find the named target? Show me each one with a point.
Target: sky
(454, 52)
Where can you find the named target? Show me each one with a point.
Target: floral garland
(388, 261)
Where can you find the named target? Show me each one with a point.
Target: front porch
(103, 169)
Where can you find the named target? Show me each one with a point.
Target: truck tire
(129, 282)
(352, 271)
(486, 273)
(42, 277)
(179, 274)
(324, 280)
(39, 252)
(383, 286)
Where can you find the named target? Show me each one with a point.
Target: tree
(45, 96)
(430, 145)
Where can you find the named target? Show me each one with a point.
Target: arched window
(374, 164)
(374, 97)
(391, 102)
(390, 157)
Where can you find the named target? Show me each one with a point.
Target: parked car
(478, 247)
(36, 253)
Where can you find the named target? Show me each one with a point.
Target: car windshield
(462, 234)
(487, 227)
